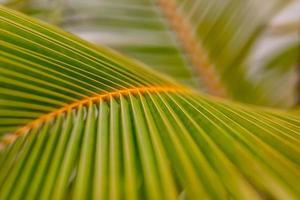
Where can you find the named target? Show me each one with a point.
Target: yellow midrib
(11, 137)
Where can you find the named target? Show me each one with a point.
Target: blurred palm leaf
(230, 32)
(83, 122)
(225, 32)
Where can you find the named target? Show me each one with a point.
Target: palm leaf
(84, 122)
(135, 28)
(219, 40)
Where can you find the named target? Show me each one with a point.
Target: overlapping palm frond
(135, 28)
(83, 122)
(221, 41)
(231, 34)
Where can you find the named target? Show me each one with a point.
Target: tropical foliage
(79, 121)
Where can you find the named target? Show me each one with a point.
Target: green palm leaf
(84, 122)
(222, 41)
(135, 28)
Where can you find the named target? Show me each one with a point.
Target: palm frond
(135, 28)
(218, 39)
(227, 33)
(83, 122)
